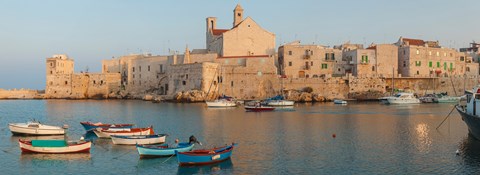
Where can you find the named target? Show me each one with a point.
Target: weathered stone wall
(248, 38)
(328, 87)
(83, 85)
(422, 86)
(20, 94)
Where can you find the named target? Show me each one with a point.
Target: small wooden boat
(162, 150)
(106, 133)
(54, 146)
(203, 157)
(35, 128)
(339, 101)
(221, 103)
(259, 108)
(89, 125)
(139, 139)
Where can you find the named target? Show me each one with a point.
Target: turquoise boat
(149, 151)
(204, 157)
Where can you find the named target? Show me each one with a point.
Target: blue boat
(149, 151)
(204, 157)
(90, 126)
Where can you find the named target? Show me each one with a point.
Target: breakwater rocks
(190, 96)
(299, 96)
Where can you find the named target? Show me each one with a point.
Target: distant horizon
(90, 31)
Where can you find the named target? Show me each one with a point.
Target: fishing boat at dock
(470, 112)
(205, 156)
(138, 139)
(107, 133)
(35, 128)
(54, 146)
(259, 108)
(89, 125)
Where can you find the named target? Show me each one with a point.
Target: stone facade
(304, 61)
(418, 58)
(20, 94)
(63, 83)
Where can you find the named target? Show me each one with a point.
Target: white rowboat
(142, 140)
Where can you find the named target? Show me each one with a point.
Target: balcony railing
(306, 57)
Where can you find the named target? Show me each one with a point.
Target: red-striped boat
(54, 146)
(106, 133)
(259, 108)
(89, 125)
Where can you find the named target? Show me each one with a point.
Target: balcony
(306, 67)
(306, 57)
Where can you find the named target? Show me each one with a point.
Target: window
(418, 73)
(327, 56)
(404, 64)
(467, 69)
(462, 58)
(373, 68)
(51, 72)
(139, 68)
(438, 54)
(289, 52)
(149, 68)
(418, 63)
(133, 69)
(311, 52)
(66, 82)
(324, 66)
(430, 64)
(451, 54)
(133, 75)
(101, 81)
(186, 76)
(451, 66)
(438, 64)
(184, 83)
(94, 82)
(311, 63)
(418, 52)
(333, 56)
(364, 59)
(231, 83)
(444, 54)
(444, 66)
(239, 14)
(289, 63)
(429, 52)
(161, 68)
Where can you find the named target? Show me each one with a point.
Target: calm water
(371, 138)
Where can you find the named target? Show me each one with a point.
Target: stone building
(234, 62)
(308, 61)
(377, 60)
(62, 82)
(419, 58)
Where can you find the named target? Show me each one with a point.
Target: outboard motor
(193, 139)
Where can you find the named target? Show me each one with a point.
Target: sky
(92, 30)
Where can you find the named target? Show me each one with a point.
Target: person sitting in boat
(193, 139)
(175, 145)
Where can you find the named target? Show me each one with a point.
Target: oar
(446, 117)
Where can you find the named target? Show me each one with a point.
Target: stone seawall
(20, 94)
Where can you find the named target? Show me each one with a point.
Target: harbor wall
(20, 94)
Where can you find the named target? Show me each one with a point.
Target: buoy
(334, 135)
(457, 152)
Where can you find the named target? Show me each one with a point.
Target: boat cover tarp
(278, 97)
(49, 143)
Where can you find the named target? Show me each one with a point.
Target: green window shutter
(438, 64)
(366, 59)
(326, 66)
(429, 64)
(451, 66)
(444, 66)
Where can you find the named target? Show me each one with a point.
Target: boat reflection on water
(14, 138)
(55, 157)
(470, 151)
(284, 108)
(225, 167)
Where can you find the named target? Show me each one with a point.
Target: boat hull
(280, 103)
(19, 130)
(27, 147)
(146, 152)
(473, 122)
(105, 133)
(259, 109)
(90, 126)
(403, 101)
(210, 156)
(339, 102)
(142, 140)
(221, 104)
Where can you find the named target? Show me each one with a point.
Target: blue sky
(92, 30)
